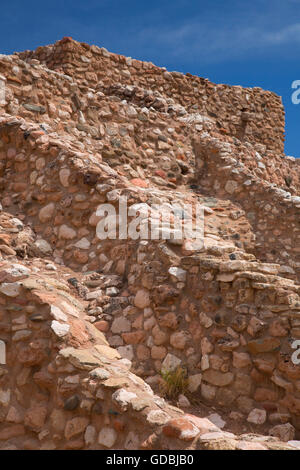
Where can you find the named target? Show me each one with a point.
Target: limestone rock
(217, 378)
(170, 363)
(75, 426)
(66, 233)
(107, 437)
(194, 382)
(60, 329)
(10, 289)
(64, 175)
(284, 432)
(47, 212)
(257, 416)
(123, 397)
(142, 299)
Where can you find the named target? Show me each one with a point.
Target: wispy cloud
(289, 34)
(211, 42)
(191, 31)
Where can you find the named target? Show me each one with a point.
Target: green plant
(175, 382)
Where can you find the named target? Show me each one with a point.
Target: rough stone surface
(89, 323)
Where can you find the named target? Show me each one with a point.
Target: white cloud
(288, 34)
(212, 42)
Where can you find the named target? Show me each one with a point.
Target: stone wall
(229, 304)
(249, 114)
(63, 387)
(272, 212)
(75, 136)
(230, 323)
(151, 144)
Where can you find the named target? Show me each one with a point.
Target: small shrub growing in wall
(175, 382)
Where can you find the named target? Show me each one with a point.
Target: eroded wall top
(249, 114)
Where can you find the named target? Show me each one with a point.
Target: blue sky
(248, 43)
